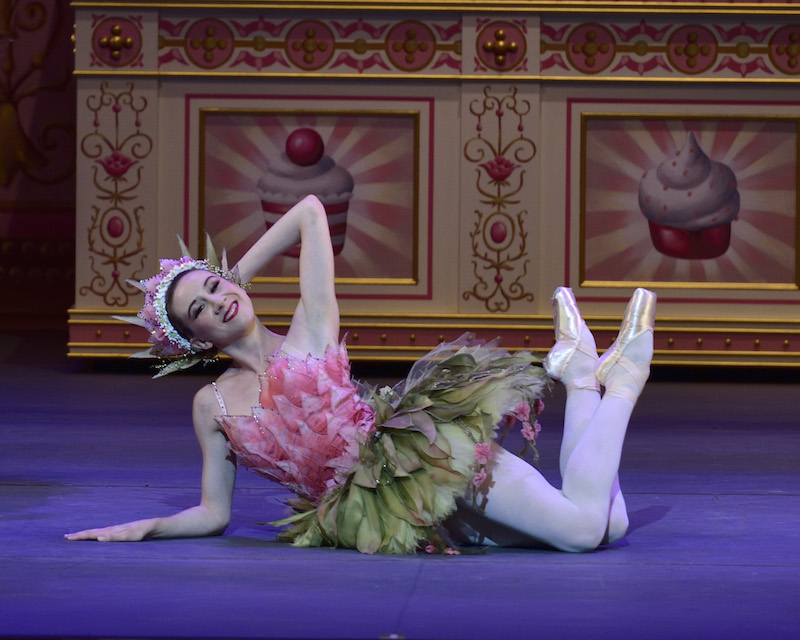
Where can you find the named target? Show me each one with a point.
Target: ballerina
(398, 469)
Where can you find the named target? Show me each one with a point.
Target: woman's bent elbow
(314, 202)
(220, 529)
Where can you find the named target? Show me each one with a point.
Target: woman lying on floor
(401, 469)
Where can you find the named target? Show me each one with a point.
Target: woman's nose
(218, 302)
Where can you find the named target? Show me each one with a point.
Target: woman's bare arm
(212, 515)
(315, 324)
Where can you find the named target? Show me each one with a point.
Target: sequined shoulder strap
(219, 399)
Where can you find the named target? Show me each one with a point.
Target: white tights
(519, 507)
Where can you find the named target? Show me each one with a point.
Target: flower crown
(167, 342)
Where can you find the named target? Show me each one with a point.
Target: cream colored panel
(116, 201)
(499, 198)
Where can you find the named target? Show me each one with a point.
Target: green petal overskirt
(420, 457)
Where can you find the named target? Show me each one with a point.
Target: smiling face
(214, 309)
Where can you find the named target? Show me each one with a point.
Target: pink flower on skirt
(530, 432)
(483, 452)
(522, 411)
(479, 478)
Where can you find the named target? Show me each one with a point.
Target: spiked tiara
(168, 344)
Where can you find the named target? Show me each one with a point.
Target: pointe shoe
(625, 367)
(573, 357)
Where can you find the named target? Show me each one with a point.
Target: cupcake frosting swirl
(286, 180)
(689, 191)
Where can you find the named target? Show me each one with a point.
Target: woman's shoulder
(233, 392)
(205, 400)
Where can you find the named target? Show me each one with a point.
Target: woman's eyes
(212, 288)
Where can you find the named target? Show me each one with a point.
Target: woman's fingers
(130, 532)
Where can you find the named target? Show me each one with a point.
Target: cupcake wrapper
(691, 245)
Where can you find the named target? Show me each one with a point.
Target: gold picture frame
(383, 230)
(644, 176)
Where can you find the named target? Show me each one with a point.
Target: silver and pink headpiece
(168, 343)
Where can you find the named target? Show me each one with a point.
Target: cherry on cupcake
(304, 147)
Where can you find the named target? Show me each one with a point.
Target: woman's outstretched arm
(315, 324)
(212, 515)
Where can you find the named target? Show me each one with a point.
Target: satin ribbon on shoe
(574, 356)
(625, 367)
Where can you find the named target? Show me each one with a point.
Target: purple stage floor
(711, 473)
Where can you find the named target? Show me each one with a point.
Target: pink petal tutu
(306, 431)
(380, 472)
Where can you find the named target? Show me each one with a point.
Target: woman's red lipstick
(230, 314)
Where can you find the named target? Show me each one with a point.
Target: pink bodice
(306, 432)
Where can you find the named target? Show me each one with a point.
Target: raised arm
(212, 515)
(315, 324)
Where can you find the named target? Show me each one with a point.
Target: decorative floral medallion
(590, 48)
(116, 42)
(310, 44)
(209, 43)
(410, 45)
(501, 46)
(784, 49)
(692, 49)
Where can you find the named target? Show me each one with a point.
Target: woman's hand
(128, 532)
(212, 515)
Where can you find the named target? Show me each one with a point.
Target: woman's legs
(573, 360)
(580, 408)
(576, 518)
(576, 370)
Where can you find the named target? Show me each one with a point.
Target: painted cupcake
(690, 202)
(302, 169)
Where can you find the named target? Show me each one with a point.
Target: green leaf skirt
(426, 448)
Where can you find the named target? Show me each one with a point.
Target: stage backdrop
(470, 158)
